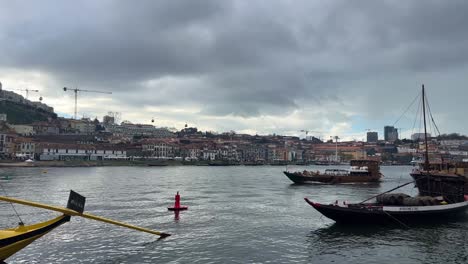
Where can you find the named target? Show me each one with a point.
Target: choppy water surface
(236, 215)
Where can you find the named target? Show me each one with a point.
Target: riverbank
(141, 163)
(127, 163)
(103, 163)
(81, 163)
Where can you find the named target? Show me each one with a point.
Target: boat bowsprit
(14, 239)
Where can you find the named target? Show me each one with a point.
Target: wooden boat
(438, 178)
(448, 173)
(14, 239)
(400, 208)
(377, 213)
(441, 197)
(361, 171)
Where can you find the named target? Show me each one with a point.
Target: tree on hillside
(452, 136)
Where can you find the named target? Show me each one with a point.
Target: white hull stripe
(423, 208)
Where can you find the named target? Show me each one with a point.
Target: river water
(236, 214)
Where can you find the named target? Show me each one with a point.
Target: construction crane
(27, 91)
(76, 90)
(336, 146)
(307, 132)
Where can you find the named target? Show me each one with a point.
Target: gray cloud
(245, 59)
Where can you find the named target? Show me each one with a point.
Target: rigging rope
(394, 218)
(432, 123)
(421, 119)
(432, 118)
(12, 206)
(414, 100)
(416, 116)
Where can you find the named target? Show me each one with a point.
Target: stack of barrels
(404, 199)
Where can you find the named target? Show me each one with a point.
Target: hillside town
(85, 139)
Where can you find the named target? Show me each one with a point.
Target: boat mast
(426, 162)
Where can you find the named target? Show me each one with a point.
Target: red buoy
(177, 206)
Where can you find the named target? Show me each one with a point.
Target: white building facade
(80, 152)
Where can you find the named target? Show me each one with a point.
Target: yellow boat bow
(14, 239)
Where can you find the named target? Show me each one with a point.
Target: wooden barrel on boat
(413, 201)
(392, 198)
(386, 199)
(428, 200)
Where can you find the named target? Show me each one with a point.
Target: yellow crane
(76, 90)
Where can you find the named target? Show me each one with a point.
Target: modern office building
(390, 133)
(372, 136)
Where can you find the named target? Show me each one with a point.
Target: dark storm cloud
(409, 31)
(105, 40)
(245, 58)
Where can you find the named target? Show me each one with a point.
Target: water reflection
(428, 243)
(240, 215)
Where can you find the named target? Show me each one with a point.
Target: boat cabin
(368, 167)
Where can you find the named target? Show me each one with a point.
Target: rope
(12, 206)
(414, 100)
(416, 117)
(394, 218)
(432, 118)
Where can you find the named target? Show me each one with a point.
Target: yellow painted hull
(14, 239)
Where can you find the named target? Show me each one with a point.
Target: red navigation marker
(177, 206)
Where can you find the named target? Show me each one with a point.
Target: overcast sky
(335, 67)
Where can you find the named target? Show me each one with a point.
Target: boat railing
(336, 172)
